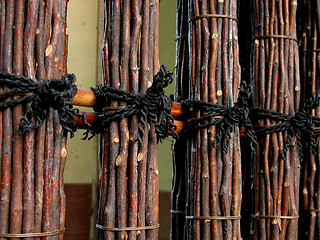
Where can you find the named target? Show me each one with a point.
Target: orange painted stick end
(84, 98)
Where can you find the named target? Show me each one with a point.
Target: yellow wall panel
(82, 61)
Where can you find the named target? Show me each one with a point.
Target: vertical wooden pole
(129, 183)
(34, 44)
(207, 55)
(277, 87)
(309, 55)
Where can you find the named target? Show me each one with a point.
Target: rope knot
(158, 105)
(240, 112)
(300, 121)
(300, 125)
(40, 96)
(153, 107)
(56, 92)
(225, 118)
(303, 123)
(161, 80)
(239, 115)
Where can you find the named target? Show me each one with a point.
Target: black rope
(239, 115)
(40, 96)
(154, 107)
(300, 125)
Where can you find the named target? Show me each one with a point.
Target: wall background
(167, 47)
(82, 61)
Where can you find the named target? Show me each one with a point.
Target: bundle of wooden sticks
(128, 204)
(33, 43)
(276, 87)
(207, 181)
(206, 195)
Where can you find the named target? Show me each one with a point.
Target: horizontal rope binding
(276, 36)
(224, 118)
(276, 217)
(217, 218)
(113, 229)
(32, 235)
(177, 212)
(300, 125)
(153, 107)
(40, 97)
(312, 210)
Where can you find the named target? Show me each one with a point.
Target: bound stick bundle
(206, 197)
(33, 43)
(128, 204)
(276, 83)
(309, 55)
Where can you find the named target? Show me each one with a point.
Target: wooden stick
(237, 168)
(29, 138)
(133, 155)
(215, 205)
(110, 209)
(62, 195)
(121, 163)
(143, 150)
(53, 14)
(150, 185)
(58, 204)
(152, 209)
(17, 158)
(47, 190)
(40, 133)
(6, 173)
(2, 29)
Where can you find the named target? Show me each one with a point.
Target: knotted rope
(154, 107)
(301, 125)
(225, 118)
(40, 96)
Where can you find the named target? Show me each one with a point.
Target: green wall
(82, 61)
(167, 56)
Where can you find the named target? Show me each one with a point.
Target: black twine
(40, 96)
(300, 125)
(154, 107)
(239, 114)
